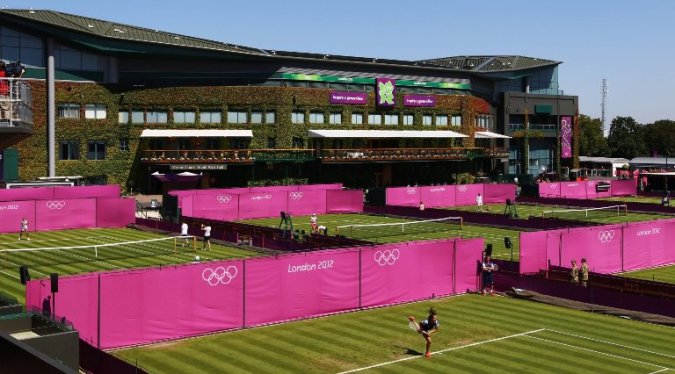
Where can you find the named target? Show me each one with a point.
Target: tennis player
(24, 228)
(427, 327)
(184, 234)
(421, 206)
(479, 202)
(207, 237)
(314, 222)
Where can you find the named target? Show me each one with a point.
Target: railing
(408, 154)
(16, 103)
(166, 156)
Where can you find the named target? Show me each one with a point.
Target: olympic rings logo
(411, 190)
(55, 204)
(223, 199)
(553, 186)
(461, 188)
(606, 236)
(219, 275)
(386, 257)
(295, 195)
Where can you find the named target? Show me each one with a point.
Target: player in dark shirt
(427, 327)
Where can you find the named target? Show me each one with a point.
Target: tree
(626, 138)
(660, 138)
(592, 141)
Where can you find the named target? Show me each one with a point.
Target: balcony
(16, 111)
(409, 154)
(226, 156)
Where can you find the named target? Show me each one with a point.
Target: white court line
(601, 353)
(443, 350)
(11, 275)
(612, 343)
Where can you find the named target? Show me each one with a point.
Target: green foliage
(626, 138)
(660, 137)
(592, 141)
(465, 178)
(277, 182)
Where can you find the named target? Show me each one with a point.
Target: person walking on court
(574, 272)
(479, 202)
(584, 273)
(184, 234)
(24, 229)
(426, 328)
(314, 223)
(207, 237)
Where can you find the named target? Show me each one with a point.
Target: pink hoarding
(549, 189)
(403, 196)
(648, 244)
(467, 256)
(307, 202)
(81, 192)
(114, 212)
(272, 189)
(65, 214)
(601, 246)
(465, 194)
(263, 204)
(223, 206)
(344, 201)
(301, 285)
(437, 196)
(185, 205)
(35, 193)
(623, 187)
(498, 193)
(591, 191)
(328, 186)
(573, 190)
(155, 304)
(11, 213)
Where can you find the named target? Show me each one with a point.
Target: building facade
(149, 109)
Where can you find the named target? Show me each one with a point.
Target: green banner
(461, 84)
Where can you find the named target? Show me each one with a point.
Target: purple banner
(566, 136)
(419, 100)
(349, 98)
(386, 92)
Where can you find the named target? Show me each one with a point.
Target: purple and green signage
(386, 92)
(419, 100)
(349, 98)
(448, 83)
(566, 137)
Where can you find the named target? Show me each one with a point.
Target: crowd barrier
(449, 195)
(52, 193)
(129, 307)
(587, 189)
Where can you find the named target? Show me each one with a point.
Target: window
(96, 151)
(298, 117)
(124, 144)
(427, 120)
(374, 119)
(297, 142)
(270, 117)
(95, 111)
(357, 119)
(156, 117)
(68, 110)
(335, 118)
(442, 120)
(408, 119)
(184, 117)
(137, 116)
(271, 142)
(456, 120)
(212, 143)
(391, 119)
(157, 143)
(237, 117)
(123, 117)
(70, 151)
(256, 117)
(183, 143)
(209, 117)
(317, 118)
(483, 121)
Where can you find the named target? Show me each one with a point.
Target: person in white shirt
(184, 234)
(421, 206)
(479, 202)
(207, 237)
(24, 229)
(313, 221)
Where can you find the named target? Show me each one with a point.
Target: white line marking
(612, 343)
(443, 350)
(659, 371)
(598, 352)
(11, 275)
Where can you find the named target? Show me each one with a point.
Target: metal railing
(409, 154)
(16, 103)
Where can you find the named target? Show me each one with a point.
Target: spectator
(4, 92)
(488, 282)
(574, 272)
(584, 273)
(47, 306)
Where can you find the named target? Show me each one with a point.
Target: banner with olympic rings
(59, 214)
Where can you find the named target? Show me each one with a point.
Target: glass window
(209, 117)
(317, 118)
(270, 117)
(298, 117)
(96, 151)
(157, 117)
(442, 120)
(184, 117)
(408, 119)
(237, 117)
(123, 117)
(17, 46)
(335, 118)
(137, 116)
(298, 142)
(391, 119)
(427, 120)
(256, 117)
(157, 143)
(124, 144)
(68, 110)
(70, 151)
(95, 111)
(374, 119)
(357, 119)
(456, 120)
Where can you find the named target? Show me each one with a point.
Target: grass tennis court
(664, 274)
(82, 260)
(477, 335)
(635, 199)
(494, 236)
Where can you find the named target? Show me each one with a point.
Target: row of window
(70, 150)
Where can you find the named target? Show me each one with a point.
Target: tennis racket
(413, 326)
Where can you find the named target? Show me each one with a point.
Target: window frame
(98, 110)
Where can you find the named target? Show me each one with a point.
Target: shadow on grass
(409, 351)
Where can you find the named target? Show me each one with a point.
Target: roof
(604, 160)
(490, 135)
(379, 134)
(196, 133)
(653, 161)
(489, 64)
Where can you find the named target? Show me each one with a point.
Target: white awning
(196, 133)
(379, 134)
(490, 135)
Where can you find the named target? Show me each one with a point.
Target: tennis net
(98, 252)
(401, 228)
(589, 213)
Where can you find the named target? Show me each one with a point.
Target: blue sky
(629, 43)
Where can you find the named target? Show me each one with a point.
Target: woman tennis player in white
(426, 328)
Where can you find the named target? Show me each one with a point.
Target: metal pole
(51, 109)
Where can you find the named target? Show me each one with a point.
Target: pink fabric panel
(329, 186)
(623, 187)
(261, 205)
(553, 248)
(647, 244)
(35, 193)
(154, 304)
(11, 213)
(465, 194)
(224, 206)
(394, 273)
(601, 246)
(273, 189)
(498, 193)
(114, 212)
(81, 192)
(532, 251)
(549, 189)
(437, 196)
(403, 196)
(65, 214)
(344, 201)
(301, 285)
(219, 191)
(307, 202)
(34, 294)
(573, 190)
(186, 206)
(468, 254)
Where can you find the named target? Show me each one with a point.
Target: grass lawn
(476, 335)
(635, 199)
(492, 235)
(661, 274)
(82, 260)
